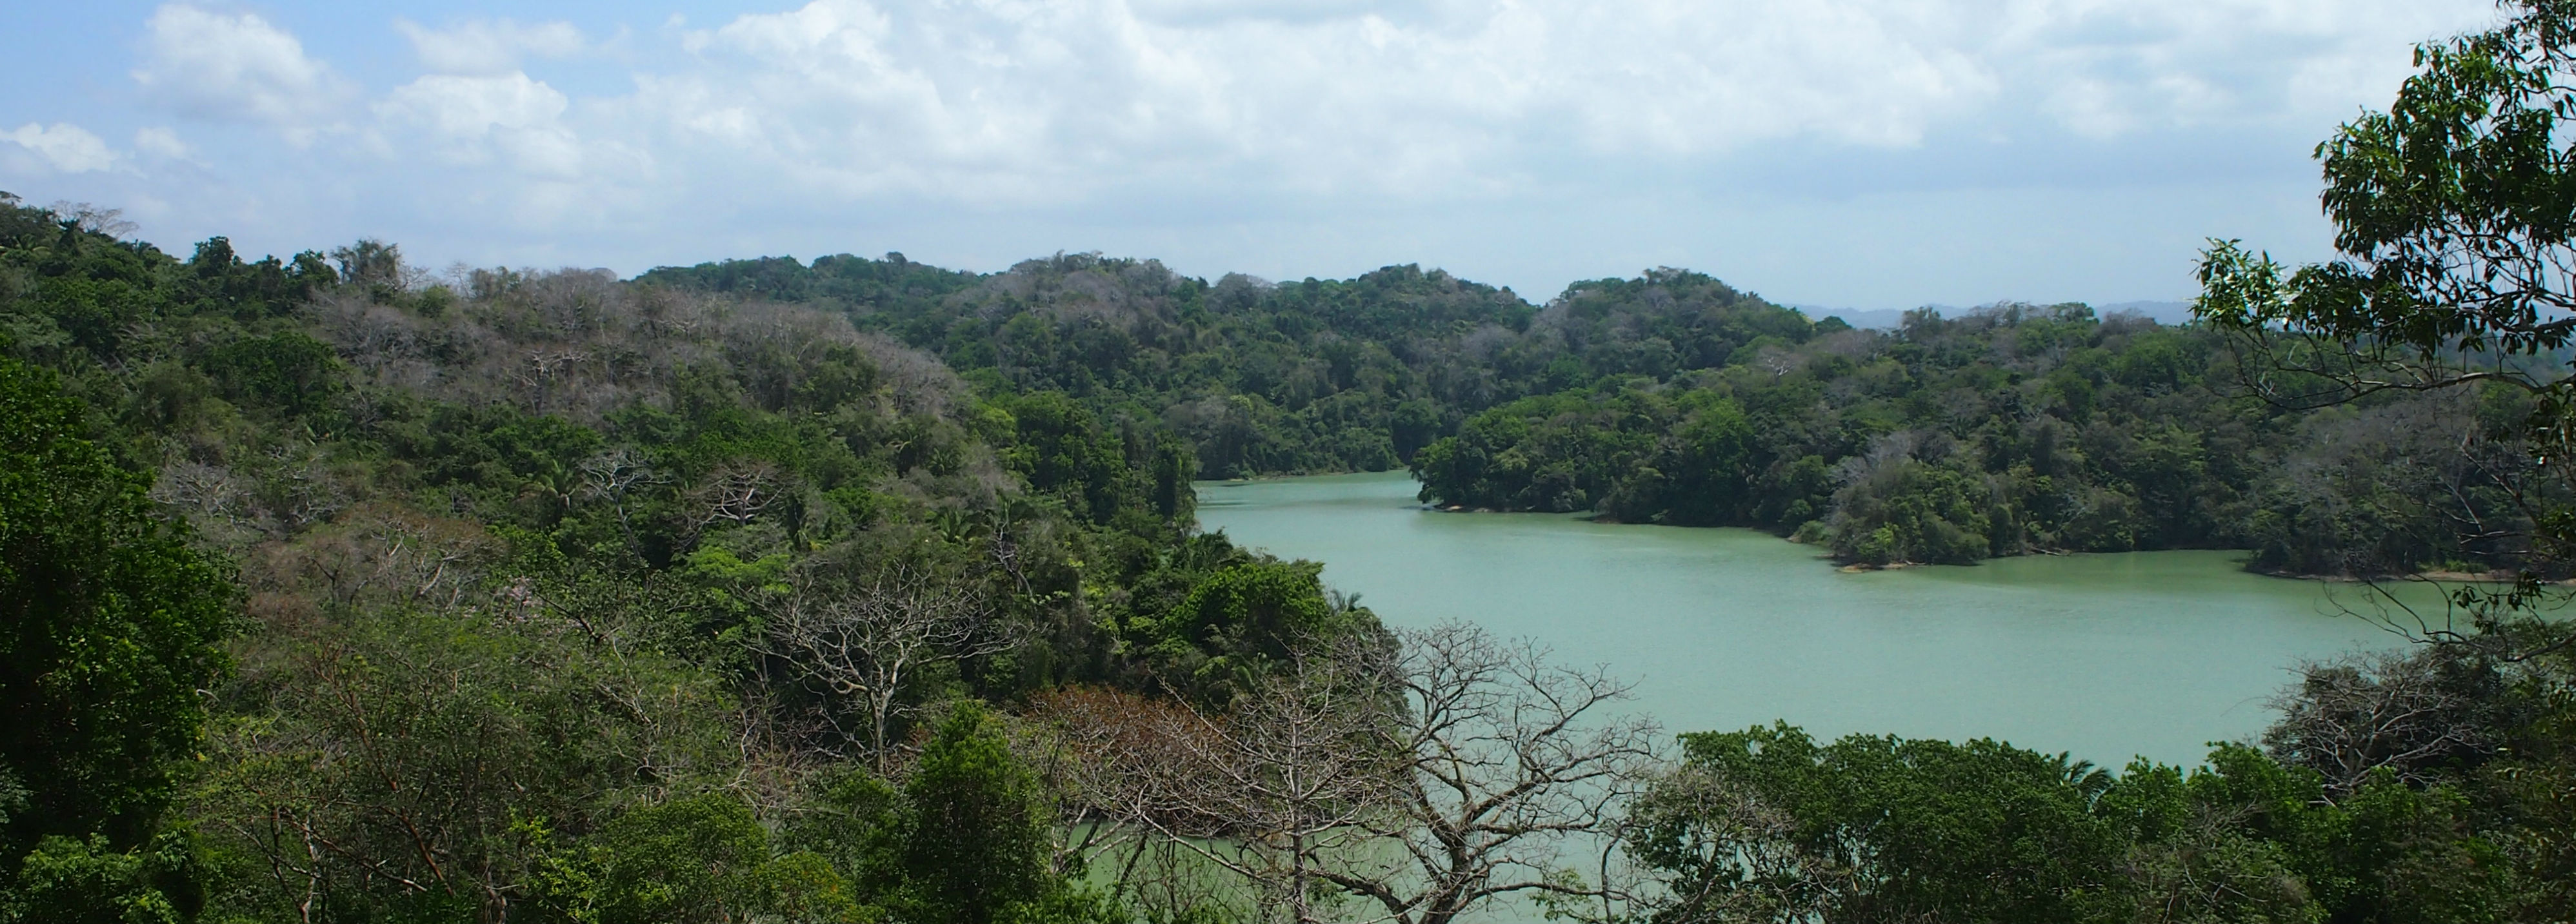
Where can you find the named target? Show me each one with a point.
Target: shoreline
(2436, 576)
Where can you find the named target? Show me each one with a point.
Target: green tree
(2454, 216)
(289, 371)
(76, 881)
(2456, 225)
(701, 859)
(1767, 824)
(1912, 511)
(1237, 622)
(427, 748)
(109, 627)
(975, 834)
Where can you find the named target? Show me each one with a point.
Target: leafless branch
(865, 644)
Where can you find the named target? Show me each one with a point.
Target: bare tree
(734, 493)
(1130, 768)
(1298, 771)
(91, 218)
(1779, 362)
(218, 501)
(1507, 765)
(2405, 713)
(1271, 793)
(1422, 783)
(545, 367)
(864, 645)
(613, 474)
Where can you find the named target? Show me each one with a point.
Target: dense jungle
(335, 589)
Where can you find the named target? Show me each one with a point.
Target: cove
(2105, 656)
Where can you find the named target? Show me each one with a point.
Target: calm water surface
(2106, 656)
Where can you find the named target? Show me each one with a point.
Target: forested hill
(1674, 398)
(1263, 378)
(331, 593)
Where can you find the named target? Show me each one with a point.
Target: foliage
(974, 845)
(408, 760)
(2452, 221)
(1238, 623)
(509, 545)
(74, 881)
(112, 622)
(2013, 429)
(1768, 825)
(1912, 510)
(703, 858)
(1257, 377)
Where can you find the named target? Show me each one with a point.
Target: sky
(1866, 154)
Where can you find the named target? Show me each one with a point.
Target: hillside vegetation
(460, 601)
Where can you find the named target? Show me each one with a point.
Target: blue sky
(1857, 153)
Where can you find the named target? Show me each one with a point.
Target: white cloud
(490, 47)
(2109, 69)
(472, 107)
(1006, 103)
(1024, 126)
(1017, 101)
(1009, 101)
(470, 119)
(160, 141)
(234, 66)
(64, 147)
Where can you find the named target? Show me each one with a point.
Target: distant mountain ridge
(1890, 318)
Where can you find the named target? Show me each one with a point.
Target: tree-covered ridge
(2011, 430)
(1262, 378)
(1674, 398)
(548, 585)
(841, 280)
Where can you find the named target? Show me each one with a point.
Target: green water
(2105, 656)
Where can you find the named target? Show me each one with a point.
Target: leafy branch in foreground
(2458, 233)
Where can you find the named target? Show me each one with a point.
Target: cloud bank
(1251, 133)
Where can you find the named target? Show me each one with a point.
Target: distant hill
(1875, 319)
(1890, 318)
(2161, 312)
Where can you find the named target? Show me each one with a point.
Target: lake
(2104, 656)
